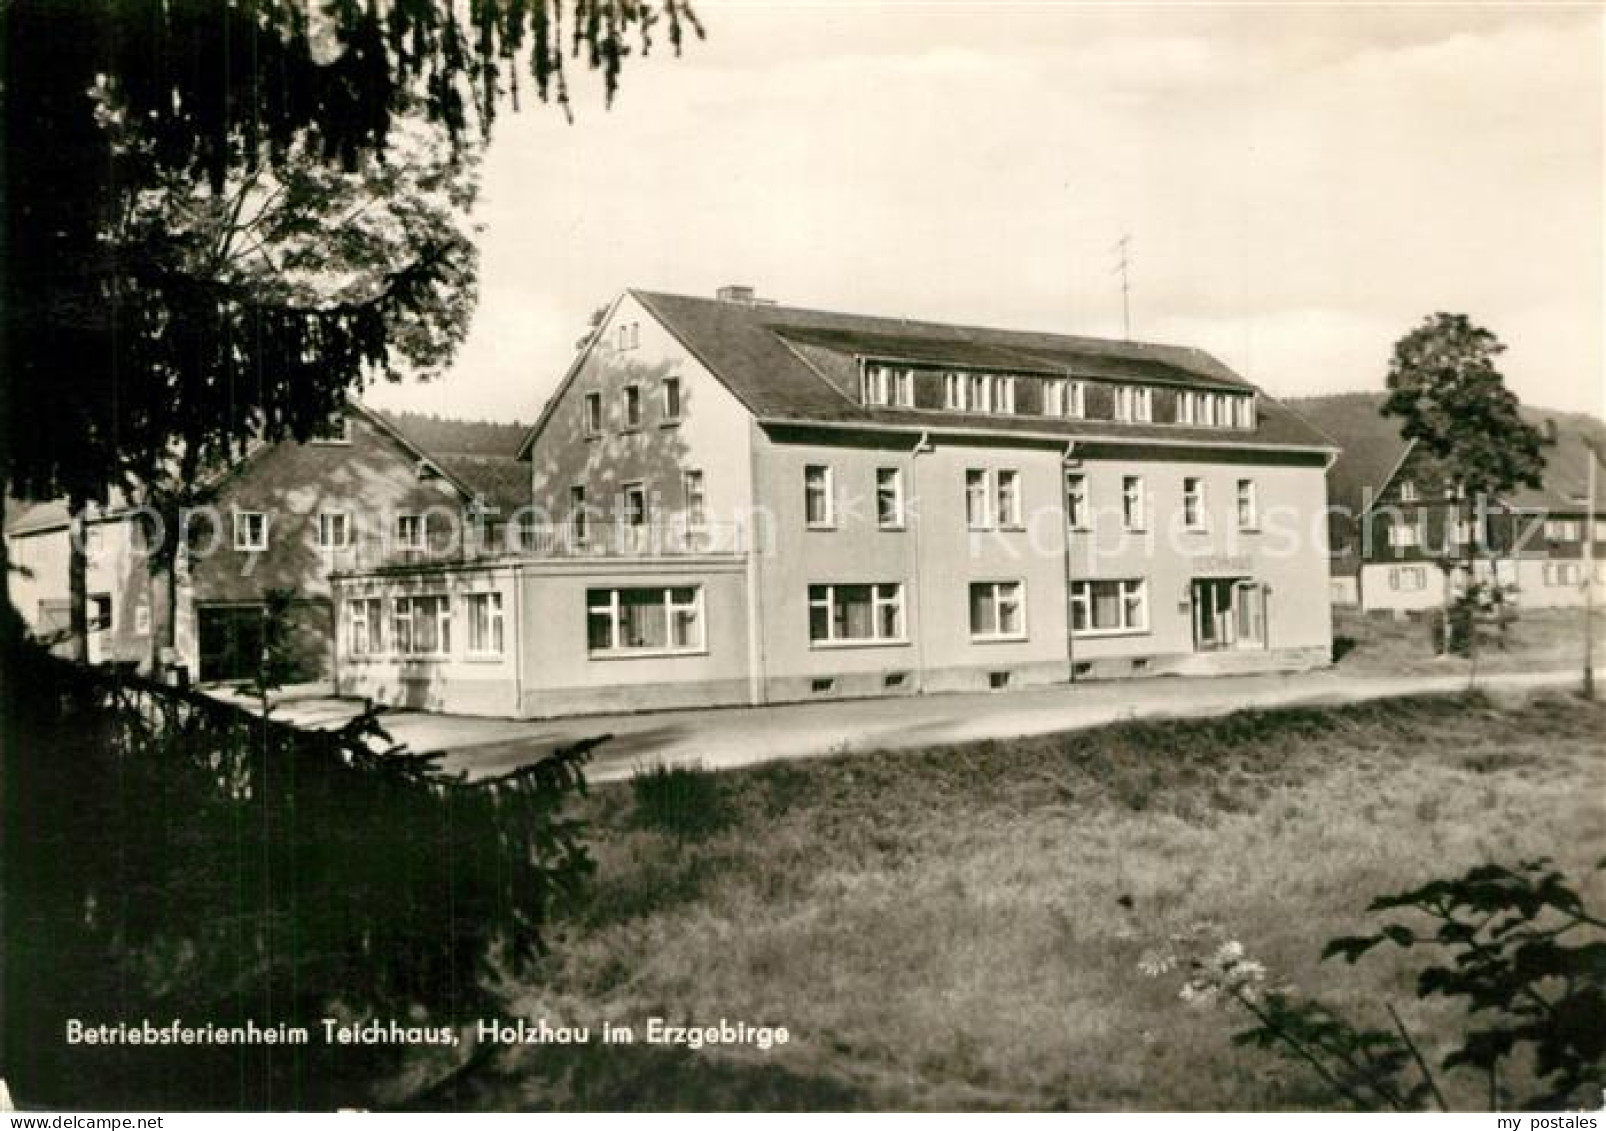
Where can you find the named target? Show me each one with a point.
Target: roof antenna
(1123, 265)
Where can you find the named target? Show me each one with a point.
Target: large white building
(739, 502)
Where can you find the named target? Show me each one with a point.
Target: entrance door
(1228, 612)
(231, 641)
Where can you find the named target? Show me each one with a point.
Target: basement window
(822, 686)
(997, 680)
(894, 679)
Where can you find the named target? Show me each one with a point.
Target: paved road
(737, 736)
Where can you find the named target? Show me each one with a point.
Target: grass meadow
(963, 927)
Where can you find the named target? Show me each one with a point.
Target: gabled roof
(1373, 451)
(794, 365)
(24, 517)
(441, 436)
(52, 514)
(501, 482)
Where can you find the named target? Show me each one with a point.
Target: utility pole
(1589, 577)
(1123, 264)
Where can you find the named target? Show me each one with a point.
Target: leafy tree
(177, 172)
(1453, 401)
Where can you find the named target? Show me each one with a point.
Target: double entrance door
(1228, 612)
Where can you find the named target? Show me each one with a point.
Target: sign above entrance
(1221, 563)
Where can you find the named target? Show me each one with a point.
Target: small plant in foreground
(1515, 944)
(687, 802)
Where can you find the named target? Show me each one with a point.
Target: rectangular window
(819, 504)
(1248, 505)
(1075, 500)
(250, 530)
(889, 498)
(484, 623)
(1193, 503)
(632, 406)
(843, 614)
(1403, 535)
(629, 335)
(668, 619)
(671, 398)
(579, 515)
(1004, 394)
(592, 414)
(977, 513)
(1109, 606)
(883, 385)
(410, 532)
(691, 484)
(365, 626)
(1244, 412)
(1008, 494)
(1187, 407)
(1076, 403)
(1134, 404)
(1065, 397)
(996, 612)
(1407, 491)
(1054, 396)
(1600, 530)
(1132, 516)
(334, 530)
(634, 500)
(422, 626)
(903, 388)
(953, 392)
(1564, 530)
(978, 392)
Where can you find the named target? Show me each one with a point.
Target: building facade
(282, 518)
(1543, 545)
(737, 502)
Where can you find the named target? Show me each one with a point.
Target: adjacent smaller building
(363, 492)
(1394, 526)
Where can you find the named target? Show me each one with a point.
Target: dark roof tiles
(791, 365)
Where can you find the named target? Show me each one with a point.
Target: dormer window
(1064, 397)
(884, 385)
(978, 392)
(1134, 404)
(1244, 412)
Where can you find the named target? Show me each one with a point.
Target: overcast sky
(1301, 185)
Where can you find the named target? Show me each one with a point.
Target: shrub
(1515, 945)
(686, 802)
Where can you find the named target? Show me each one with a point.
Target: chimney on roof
(1549, 430)
(735, 292)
